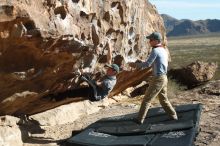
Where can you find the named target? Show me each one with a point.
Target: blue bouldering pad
(157, 130)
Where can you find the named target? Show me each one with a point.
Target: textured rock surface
(10, 134)
(195, 73)
(43, 42)
(68, 113)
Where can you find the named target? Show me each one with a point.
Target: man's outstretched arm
(109, 54)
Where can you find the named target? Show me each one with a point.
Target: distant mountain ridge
(175, 27)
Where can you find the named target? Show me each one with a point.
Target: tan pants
(157, 87)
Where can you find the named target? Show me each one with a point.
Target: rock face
(43, 42)
(69, 113)
(195, 73)
(10, 133)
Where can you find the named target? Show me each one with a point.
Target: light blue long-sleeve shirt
(159, 59)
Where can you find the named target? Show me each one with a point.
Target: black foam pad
(157, 130)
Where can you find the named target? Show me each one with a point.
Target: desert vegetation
(186, 49)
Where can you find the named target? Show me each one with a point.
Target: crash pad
(157, 130)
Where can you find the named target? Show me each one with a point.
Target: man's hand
(81, 71)
(132, 64)
(98, 83)
(78, 72)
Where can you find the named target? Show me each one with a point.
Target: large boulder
(69, 113)
(43, 42)
(195, 73)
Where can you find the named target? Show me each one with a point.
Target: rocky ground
(208, 95)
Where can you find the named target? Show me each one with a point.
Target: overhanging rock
(43, 42)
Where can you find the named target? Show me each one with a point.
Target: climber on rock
(96, 90)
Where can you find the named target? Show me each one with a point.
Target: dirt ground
(209, 123)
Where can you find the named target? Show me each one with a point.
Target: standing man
(158, 86)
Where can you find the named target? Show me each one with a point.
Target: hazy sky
(189, 9)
